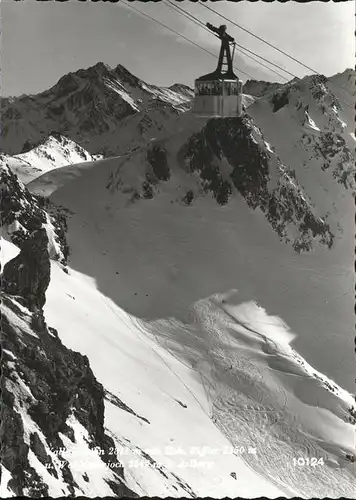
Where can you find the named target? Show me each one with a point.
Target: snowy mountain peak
(54, 152)
(126, 76)
(98, 70)
(101, 67)
(87, 106)
(183, 89)
(345, 82)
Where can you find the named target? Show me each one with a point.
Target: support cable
(179, 34)
(202, 25)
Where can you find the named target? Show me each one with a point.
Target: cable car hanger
(225, 58)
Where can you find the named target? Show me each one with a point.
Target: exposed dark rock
(352, 417)
(121, 490)
(189, 197)
(330, 147)
(239, 142)
(22, 213)
(62, 385)
(280, 99)
(39, 450)
(68, 477)
(229, 138)
(60, 381)
(14, 451)
(145, 123)
(157, 157)
(120, 404)
(147, 190)
(28, 274)
(17, 204)
(184, 485)
(224, 192)
(182, 404)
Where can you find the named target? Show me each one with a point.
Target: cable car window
(227, 89)
(216, 88)
(203, 89)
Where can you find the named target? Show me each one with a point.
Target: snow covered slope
(56, 151)
(55, 443)
(312, 129)
(226, 367)
(262, 201)
(344, 86)
(228, 375)
(166, 241)
(223, 157)
(87, 106)
(310, 124)
(159, 259)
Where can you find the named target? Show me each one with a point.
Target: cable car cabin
(220, 97)
(219, 93)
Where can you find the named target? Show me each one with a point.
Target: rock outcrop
(258, 175)
(28, 274)
(45, 389)
(52, 403)
(22, 213)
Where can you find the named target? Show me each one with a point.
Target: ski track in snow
(244, 420)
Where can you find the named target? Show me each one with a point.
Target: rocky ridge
(225, 158)
(259, 88)
(50, 396)
(48, 392)
(22, 213)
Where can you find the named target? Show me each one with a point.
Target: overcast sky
(41, 41)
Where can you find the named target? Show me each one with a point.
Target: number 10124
(308, 461)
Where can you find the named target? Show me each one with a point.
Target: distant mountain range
(88, 107)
